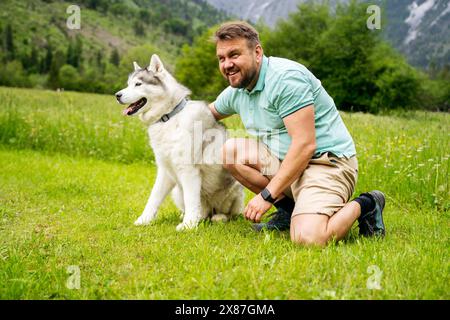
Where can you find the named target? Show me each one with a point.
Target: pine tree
(78, 52)
(47, 61)
(9, 43)
(57, 63)
(30, 62)
(115, 58)
(138, 28)
(99, 61)
(33, 60)
(2, 46)
(74, 52)
(144, 15)
(70, 54)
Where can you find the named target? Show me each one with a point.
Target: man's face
(238, 63)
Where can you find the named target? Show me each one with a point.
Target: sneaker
(281, 220)
(371, 224)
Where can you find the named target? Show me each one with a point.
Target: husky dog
(186, 142)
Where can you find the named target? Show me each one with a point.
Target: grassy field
(76, 174)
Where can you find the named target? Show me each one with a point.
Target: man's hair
(235, 30)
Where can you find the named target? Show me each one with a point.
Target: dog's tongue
(129, 109)
(126, 111)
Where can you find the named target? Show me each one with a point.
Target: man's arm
(215, 113)
(301, 127)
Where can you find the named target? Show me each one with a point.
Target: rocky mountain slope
(420, 29)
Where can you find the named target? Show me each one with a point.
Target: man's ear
(259, 53)
(155, 64)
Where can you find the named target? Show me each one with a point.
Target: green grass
(75, 175)
(77, 124)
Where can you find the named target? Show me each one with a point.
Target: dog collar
(177, 109)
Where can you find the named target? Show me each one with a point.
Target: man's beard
(247, 78)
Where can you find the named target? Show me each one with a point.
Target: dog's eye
(138, 84)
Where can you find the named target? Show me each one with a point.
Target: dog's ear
(155, 64)
(136, 66)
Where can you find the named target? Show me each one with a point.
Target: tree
(115, 57)
(99, 60)
(69, 78)
(98, 5)
(177, 26)
(9, 43)
(397, 84)
(70, 54)
(342, 58)
(197, 68)
(75, 52)
(359, 70)
(47, 61)
(145, 16)
(53, 77)
(296, 37)
(32, 61)
(139, 28)
(2, 42)
(12, 74)
(140, 54)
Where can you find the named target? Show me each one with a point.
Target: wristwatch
(265, 194)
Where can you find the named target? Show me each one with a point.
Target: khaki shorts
(325, 186)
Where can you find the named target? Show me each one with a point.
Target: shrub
(197, 68)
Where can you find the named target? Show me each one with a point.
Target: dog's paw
(220, 217)
(143, 220)
(186, 226)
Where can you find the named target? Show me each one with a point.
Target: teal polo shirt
(283, 87)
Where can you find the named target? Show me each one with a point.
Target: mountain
(420, 29)
(104, 25)
(40, 48)
(268, 11)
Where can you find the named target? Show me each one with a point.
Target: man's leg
(321, 213)
(319, 229)
(241, 158)
(253, 166)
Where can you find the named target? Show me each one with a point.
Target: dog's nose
(118, 95)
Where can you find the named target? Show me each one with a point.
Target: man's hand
(256, 208)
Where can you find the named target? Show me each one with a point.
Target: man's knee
(307, 234)
(239, 151)
(229, 154)
(309, 239)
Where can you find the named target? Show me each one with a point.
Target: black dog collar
(177, 109)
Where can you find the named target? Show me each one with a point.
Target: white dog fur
(200, 188)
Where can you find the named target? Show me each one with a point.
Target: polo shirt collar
(261, 78)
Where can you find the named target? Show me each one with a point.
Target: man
(304, 161)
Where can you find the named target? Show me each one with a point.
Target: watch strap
(267, 196)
